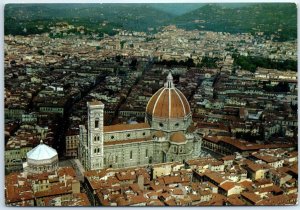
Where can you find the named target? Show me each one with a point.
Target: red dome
(178, 137)
(168, 102)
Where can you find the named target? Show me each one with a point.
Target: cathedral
(164, 136)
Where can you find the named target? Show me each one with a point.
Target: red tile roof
(178, 137)
(254, 198)
(123, 127)
(228, 185)
(168, 103)
(108, 143)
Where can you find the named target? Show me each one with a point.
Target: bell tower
(95, 135)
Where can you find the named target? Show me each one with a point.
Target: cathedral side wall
(127, 155)
(126, 135)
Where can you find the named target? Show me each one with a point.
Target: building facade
(164, 136)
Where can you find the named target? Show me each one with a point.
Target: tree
(133, 63)
(40, 52)
(208, 62)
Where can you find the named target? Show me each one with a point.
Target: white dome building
(42, 158)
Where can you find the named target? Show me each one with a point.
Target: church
(165, 136)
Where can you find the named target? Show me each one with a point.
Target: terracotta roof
(293, 154)
(172, 179)
(294, 169)
(123, 127)
(273, 188)
(154, 202)
(18, 188)
(178, 137)
(168, 102)
(235, 200)
(195, 197)
(228, 185)
(254, 198)
(246, 184)
(217, 200)
(125, 176)
(95, 102)
(256, 167)
(108, 143)
(214, 176)
(267, 158)
(228, 157)
(261, 182)
(138, 199)
(68, 171)
(290, 199)
(159, 134)
(177, 191)
(55, 189)
(242, 145)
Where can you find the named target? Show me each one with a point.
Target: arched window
(95, 138)
(95, 150)
(130, 155)
(98, 138)
(98, 150)
(175, 148)
(180, 149)
(146, 153)
(128, 135)
(96, 123)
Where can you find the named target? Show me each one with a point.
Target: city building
(164, 136)
(40, 159)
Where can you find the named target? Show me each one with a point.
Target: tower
(95, 135)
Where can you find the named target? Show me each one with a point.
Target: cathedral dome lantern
(168, 108)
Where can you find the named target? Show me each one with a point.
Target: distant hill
(272, 18)
(182, 8)
(177, 8)
(136, 17)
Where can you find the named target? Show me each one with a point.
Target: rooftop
(41, 152)
(124, 127)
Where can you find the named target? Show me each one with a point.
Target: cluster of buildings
(43, 183)
(137, 132)
(265, 177)
(260, 106)
(24, 139)
(261, 177)
(172, 43)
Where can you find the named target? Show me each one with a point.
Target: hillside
(136, 17)
(280, 19)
